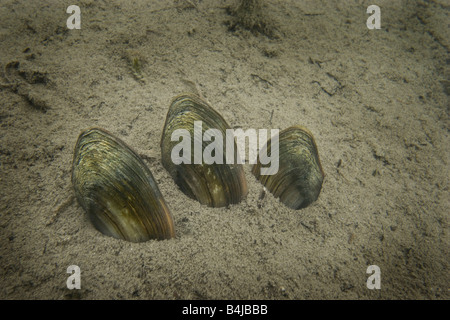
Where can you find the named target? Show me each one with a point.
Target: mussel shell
(215, 185)
(300, 175)
(117, 190)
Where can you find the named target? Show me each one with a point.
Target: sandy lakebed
(375, 100)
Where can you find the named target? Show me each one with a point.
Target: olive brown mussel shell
(215, 184)
(117, 190)
(300, 176)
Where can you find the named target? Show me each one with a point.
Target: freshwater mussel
(117, 189)
(213, 184)
(300, 175)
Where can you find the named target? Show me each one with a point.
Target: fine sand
(375, 100)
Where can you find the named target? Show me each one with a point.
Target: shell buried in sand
(117, 190)
(216, 185)
(299, 178)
